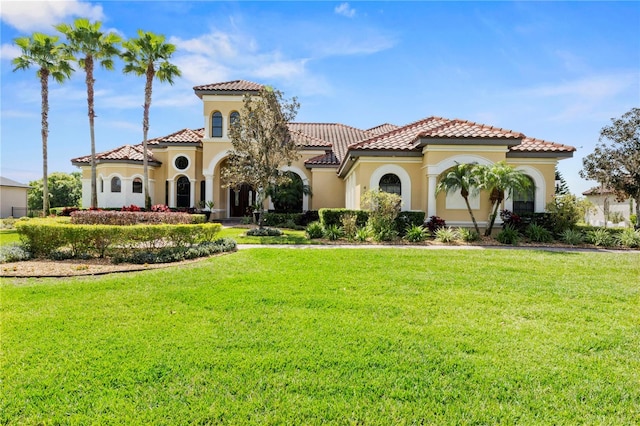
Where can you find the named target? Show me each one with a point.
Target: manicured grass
(290, 237)
(335, 336)
(8, 236)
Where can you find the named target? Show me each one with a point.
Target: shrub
(510, 218)
(333, 232)
(279, 219)
(572, 236)
(330, 217)
(468, 235)
(96, 217)
(7, 223)
(600, 237)
(538, 234)
(567, 210)
(160, 208)
(509, 235)
(629, 238)
(434, 223)
(131, 208)
(383, 208)
(14, 252)
(416, 234)
(633, 219)
(314, 230)
(349, 225)
(264, 232)
(67, 211)
(176, 254)
(446, 235)
(362, 234)
(407, 219)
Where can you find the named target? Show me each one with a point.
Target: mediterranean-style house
(337, 161)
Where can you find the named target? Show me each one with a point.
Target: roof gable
(235, 87)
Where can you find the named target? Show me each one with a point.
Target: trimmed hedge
(272, 218)
(405, 219)
(42, 238)
(331, 217)
(177, 254)
(98, 217)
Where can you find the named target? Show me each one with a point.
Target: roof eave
(351, 156)
(102, 161)
(540, 154)
(422, 141)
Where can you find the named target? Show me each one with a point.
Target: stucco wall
(13, 197)
(328, 189)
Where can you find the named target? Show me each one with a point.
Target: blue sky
(552, 70)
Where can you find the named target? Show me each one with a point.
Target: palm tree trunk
(89, 81)
(145, 132)
(492, 219)
(44, 83)
(473, 218)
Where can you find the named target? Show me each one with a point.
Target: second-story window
(216, 125)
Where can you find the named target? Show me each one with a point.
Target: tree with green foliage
(383, 209)
(65, 190)
(261, 143)
(567, 210)
(87, 44)
(463, 178)
(148, 55)
(615, 162)
(562, 188)
(498, 180)
(43, 52)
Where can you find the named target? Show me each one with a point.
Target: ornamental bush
(330, 217)
(314, 230)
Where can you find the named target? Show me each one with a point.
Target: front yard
(336, 336)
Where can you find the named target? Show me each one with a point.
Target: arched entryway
(183, 192)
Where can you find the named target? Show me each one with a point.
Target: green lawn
(8, 236)
(290, 237)
(335, 336)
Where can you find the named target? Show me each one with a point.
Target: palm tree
(462, 177)
(43, 51)
(498, 180)
(85, 39)
(149, 55)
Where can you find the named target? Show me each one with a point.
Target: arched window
(390, 183)
(183, 192)
(137, 186)
(216, 125)
(116, 184)
(233, 117)
(524, 201)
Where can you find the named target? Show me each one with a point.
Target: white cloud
(345, 10)
(34, 15)
(9, 51)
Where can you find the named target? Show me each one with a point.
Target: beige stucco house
(338, 161)
(13, 198)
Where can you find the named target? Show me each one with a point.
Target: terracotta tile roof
(231, 86)
(597, 190)
(184, 136)
(468, 129)
(539, 145)
(382, 128)
(401, 138)
(123, 153)
(306, 140)
(339, 136)
(328, 159)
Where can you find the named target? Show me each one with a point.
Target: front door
(183, 192)
(241, 200)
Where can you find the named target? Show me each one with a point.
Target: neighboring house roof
(12, 183)
(228, 87)
(598, 190)
(126, 153)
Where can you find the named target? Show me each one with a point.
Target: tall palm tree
(463, 178)
(88, 44)
(149, 55)
(500, 179)
(43, 51)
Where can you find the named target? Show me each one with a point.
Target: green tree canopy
(615, 162)
(65, 190)
(464, 178)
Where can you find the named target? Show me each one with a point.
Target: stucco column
(208, 188)
(192, 193)
(172, 193)
(431, 196)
